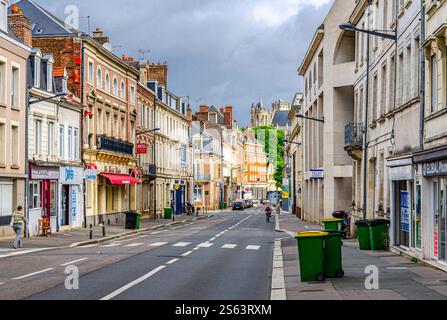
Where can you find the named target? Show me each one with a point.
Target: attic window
(37, 71)
(4, 15)
(39, 31)
(49, 77)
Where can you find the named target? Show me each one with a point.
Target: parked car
(238, 205)
(249, 203)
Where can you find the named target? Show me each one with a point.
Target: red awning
(120, 179)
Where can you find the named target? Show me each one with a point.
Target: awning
(120, 179)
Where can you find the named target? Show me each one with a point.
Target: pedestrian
(17, 223)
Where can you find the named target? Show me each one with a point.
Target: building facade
(13, 98)
(328, 73)
(256, 168)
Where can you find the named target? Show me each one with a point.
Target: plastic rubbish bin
(168, 213)
(363, 234)
(333, 255)
(379, 234)
(311, 252)
(133, 221)
(333, 224)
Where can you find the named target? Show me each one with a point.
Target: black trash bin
(132, 220)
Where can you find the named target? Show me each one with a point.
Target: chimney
(98, 35)
(228, 116)
(203, 108)
(158, 71)
(21, 25)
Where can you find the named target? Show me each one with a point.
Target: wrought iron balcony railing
(113, 145)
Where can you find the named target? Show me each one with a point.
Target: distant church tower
(260, 115)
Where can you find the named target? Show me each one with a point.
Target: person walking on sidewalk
(17, 223)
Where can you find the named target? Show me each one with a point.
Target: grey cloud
(216, 53)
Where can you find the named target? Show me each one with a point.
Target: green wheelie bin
(311, 252)
(364, 234)
(168, 213)
(333, 255)
(333, 224)
(379, 234)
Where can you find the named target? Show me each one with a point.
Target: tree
(276, 155)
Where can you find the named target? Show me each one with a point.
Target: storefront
(433, 165)
(43, 197)
(178, 196)
(71, 197)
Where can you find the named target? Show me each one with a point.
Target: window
(76, 143)
(108, 127)
(385, 15)
(50, 139)
(34, 192)
(434, 83)
(107, 82)
(115, 87)
(37, 137)
(90, 72)
(70, 143)
(100, 122)
(15, 145)
(122, 91)
(198, 193)
(64, 85)
(383, 107)
(49, 77)
(4, 16)
(37, 72)
(132, 94)
(400, 87)
(408, 75)
(392, 84)
(15, 87)
(2, 82)
(2, 144)
(374, 99)
(99, 79)
(62, 142)
(417, 66)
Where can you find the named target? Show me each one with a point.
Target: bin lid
(333, 220)
(378, 222)
(311, 234)
(362, 223)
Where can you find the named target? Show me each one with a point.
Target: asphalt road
(228, 257)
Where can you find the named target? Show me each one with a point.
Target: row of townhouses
(370, 134)
(85, 136)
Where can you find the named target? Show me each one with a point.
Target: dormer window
(64, 85)
(37, 63)
(50, 77)
(4, 15)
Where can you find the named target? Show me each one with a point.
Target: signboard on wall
(44, 173)
(71, 175)
(316, 174)
(74, 201)
(141, 148)
(90, 174)
(433, 169)
(405, 210)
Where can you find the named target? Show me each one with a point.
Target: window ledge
(408, 3)
(436, 114)
(15, 167)
(2, 166)
(15, 108)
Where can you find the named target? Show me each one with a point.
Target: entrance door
(440, 219)
(65, 207)
(402, 213)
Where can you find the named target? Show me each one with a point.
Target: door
(442, 219)
(402, 214)
(65, 207)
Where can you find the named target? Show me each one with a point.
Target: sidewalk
(400, 279)
(82, 236)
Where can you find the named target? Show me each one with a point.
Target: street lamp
(310, 118)
(351, 27)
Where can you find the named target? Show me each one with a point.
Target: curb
(125, 234)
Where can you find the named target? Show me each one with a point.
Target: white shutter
(6, 200)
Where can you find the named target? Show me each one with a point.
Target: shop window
(34, 195)
(53, 202)
(6, 200)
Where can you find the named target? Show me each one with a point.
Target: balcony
(149, 169)
(113, 145)
(202, 178)
(354, 140)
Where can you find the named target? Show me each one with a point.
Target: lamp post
(387, 34)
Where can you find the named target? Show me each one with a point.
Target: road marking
(158, 244)
(187, 253)
(132, 284)
(182, 244)
(33, 274)
(156, 232)
(253, 247)
(90, 246)
(205, 245)
(112, 245)
(73, 262)
(172, 261)
(229, 246)
(142, 237)
(212, 239)
(134, 245)
(397, 268)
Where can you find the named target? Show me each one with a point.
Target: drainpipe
(83, 100)
(27, 184)
(422, 79)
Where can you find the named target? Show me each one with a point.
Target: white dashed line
(182, 244)
(134, 245)
(187, 253)
(397, 268)
(212, 239)
(145, 236)
(229, 246)
(172, 261)
(33, 274)
(73, 262)
(253, 247)
(158, 244)
(90, 246)
(132, 284)
(112, 245)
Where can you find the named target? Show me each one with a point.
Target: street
(226, 257)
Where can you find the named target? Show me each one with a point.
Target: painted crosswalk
(253, 247)
(182, 244)
(229, 246)
(158, 244)
(133, 245)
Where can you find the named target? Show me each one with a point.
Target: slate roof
(43, 22)
(281, 118)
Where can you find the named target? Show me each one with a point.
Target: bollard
(103, 230)
(91, 232)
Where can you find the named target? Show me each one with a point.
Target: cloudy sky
(219, 51)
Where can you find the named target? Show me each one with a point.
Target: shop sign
(71, 175)
(141, 148)
(90, 174)
(74, 201)
(405, 210)
(317, 174)
(285, 195)
(401, 173)
(433, 169)
(436, 244)
(44, 173)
